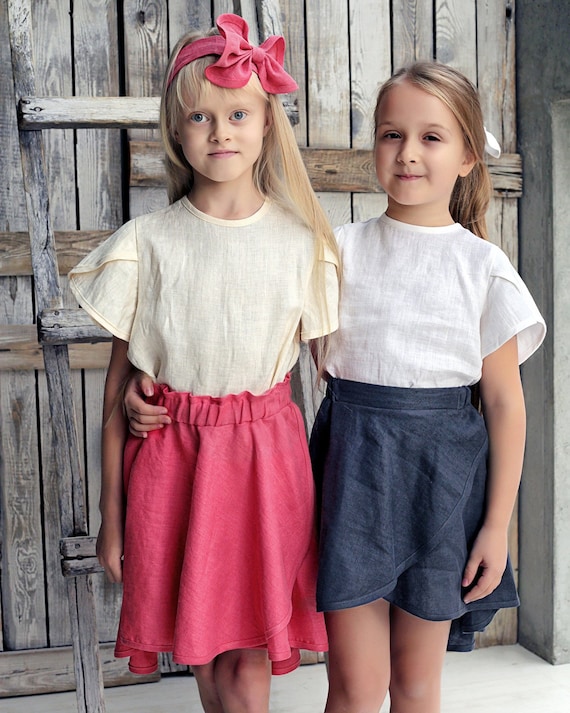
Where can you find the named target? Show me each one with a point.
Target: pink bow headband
(238, 59)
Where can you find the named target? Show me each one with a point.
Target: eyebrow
(429, 127)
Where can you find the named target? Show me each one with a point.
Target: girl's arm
(114, 433)
(143, 417)
(504, 412)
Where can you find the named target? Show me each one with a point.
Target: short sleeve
(105, 282)
(510, 310)
(320, 312)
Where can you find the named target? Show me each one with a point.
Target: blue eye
(197, 118)
(239, 115)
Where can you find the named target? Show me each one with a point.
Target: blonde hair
(471, 194)
(279, 173)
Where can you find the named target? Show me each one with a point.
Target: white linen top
(207, 305)
(422, 307)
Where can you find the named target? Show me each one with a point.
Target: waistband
(395, 397)
(188, 408)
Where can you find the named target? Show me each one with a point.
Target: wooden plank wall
(339, 52)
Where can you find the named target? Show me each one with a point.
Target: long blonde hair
(279, 173)
(471, 194)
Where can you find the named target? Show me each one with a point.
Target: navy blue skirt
(401, 477)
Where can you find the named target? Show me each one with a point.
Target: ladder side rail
(88, 673)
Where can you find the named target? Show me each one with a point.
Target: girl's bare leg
(417, 653)
(359, 658)
(235, 682)
(205, 678)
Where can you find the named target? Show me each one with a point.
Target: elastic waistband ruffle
(245, 407)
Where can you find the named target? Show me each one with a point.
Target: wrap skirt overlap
(401, 476)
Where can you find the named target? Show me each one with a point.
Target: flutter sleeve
(320, 312)
(510, 310)
(105, 282)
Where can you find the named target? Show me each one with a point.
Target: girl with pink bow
(209, 524)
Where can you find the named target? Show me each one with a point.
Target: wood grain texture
(184, 16)
(88, 112)
(23, 569)
(66, 326)
(328, 82)
(53, 68)
(412, 31)
(370, 65)
(342, 38)
(62, 409)
(21, 352)
(22, 583)
(455, 35)
(71, 247)
(496, 79)
(342, 170)
(51, 671)
(100, 200)
(293, 24)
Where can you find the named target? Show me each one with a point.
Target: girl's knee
(242, 664)
(415, 688)
(243, 679)
(360, 699)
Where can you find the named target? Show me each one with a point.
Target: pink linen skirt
(220, 542)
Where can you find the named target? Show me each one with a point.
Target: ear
(268, 120)
(469, 161)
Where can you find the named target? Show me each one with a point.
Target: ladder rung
(69, 326)
(77, 546)
(36, 113)
(88, 112)
(79, 556)
(79, 567)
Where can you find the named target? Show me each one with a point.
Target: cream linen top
(422, 307)
(207, 305)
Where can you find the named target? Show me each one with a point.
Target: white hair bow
(492, 145)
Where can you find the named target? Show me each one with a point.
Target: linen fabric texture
(210, 306)
(401, 475)
(220, 540)
(445, 299)
(399, 453)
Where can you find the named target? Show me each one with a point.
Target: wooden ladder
(58, 327)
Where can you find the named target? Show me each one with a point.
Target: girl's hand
(486, 563)
(143, 417)
(110, 550)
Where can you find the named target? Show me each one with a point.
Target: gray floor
(502, 679)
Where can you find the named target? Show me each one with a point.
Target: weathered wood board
(339, 53)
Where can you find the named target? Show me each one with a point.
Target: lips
(407, 177)
(222, 154)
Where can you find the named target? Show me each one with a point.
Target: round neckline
(237, 222)
(439, 230)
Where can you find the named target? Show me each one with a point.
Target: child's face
(419, 153)
(222, 135)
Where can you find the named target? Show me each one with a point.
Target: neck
(426, 216)
(222, 200)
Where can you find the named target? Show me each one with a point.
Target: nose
(220, 131)
(407, 152)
